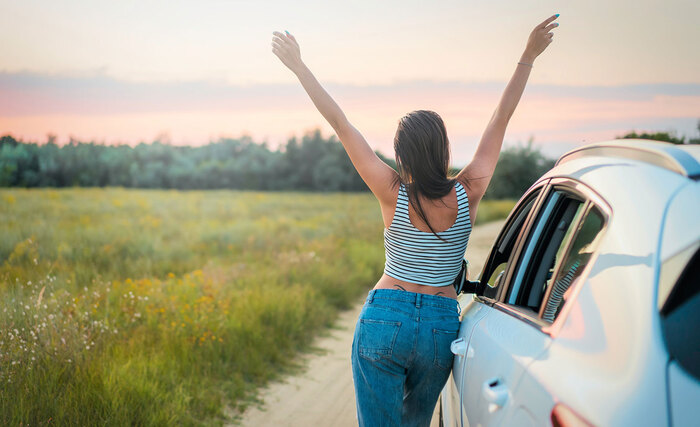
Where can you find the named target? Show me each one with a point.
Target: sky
(194, 71)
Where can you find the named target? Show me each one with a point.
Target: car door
(514, 332)
(473, 309)
(551, 284)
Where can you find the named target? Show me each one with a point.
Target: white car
(588, 308)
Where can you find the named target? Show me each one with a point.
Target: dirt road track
(323, 395)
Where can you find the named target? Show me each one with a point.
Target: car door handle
(495, 392)
(459, 347)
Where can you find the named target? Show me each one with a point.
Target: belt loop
(371, 296)
(418, 300)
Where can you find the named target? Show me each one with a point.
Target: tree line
(312, 163)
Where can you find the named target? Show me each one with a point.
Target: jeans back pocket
(443, 340)
(377, 338)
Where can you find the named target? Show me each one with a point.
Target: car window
(569, 268)
(555, 254)
(500, 254)
(680, 318)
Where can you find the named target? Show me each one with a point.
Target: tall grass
(164, 307)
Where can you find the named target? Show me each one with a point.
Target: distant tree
(517, 169)
(696, 140)
(7, 140)
(657, 136)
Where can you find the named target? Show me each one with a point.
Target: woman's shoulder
(472, 193)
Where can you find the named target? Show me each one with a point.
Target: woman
(401, 355)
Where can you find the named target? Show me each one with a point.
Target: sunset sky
(127, 71)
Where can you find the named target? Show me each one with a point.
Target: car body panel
(500, 350)
(684, 392)
(680, 237)
(471, 314)
(682, 222)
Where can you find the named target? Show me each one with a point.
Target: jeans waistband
(414, 298)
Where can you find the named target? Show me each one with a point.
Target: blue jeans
(401, 356)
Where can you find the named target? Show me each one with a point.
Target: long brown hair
(423, 157)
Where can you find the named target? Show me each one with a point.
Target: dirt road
(323, 395)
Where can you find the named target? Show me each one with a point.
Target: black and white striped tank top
(420, 257)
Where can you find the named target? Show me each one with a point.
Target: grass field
(165, 307)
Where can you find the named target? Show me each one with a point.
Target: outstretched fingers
(548, 21)
(551, 26)
(285, 39)
(292, 38)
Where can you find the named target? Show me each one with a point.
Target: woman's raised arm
(481, 168)
(376, 174)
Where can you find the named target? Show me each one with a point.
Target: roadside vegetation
(152, 307)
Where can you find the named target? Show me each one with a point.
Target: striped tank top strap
(462, 201)
(402, 200)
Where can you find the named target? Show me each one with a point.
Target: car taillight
(563, 416)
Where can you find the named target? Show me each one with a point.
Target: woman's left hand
(286, 48)
(540, 38)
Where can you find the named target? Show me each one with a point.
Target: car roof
(682, 159)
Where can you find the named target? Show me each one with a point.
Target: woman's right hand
(539, 39)
(286, 48)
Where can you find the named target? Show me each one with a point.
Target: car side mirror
(462, 283)
(473, 287)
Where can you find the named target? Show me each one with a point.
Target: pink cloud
(108, 110)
